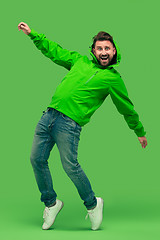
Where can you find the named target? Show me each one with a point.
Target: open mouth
(104, 58)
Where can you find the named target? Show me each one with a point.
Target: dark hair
(101, 36)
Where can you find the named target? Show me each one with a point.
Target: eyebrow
(101, 46)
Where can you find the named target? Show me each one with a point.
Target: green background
(124, 174)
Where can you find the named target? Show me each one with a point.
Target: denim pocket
(66, 117)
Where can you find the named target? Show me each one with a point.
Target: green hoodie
(87, 84)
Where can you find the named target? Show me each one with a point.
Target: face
(104, 52)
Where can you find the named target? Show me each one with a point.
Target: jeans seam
(77, 159)
(42, 156)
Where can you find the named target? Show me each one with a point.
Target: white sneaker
(96, 214)
(50, 214)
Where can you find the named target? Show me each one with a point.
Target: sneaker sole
(54, 218)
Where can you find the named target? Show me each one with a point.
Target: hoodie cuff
(140, 133)
(32, 34)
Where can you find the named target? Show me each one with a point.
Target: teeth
(104, 57)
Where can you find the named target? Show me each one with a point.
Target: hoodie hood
(118, 58)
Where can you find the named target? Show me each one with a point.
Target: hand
(24, 27)
(143, 141)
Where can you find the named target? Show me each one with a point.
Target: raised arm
(51, 49)
(124, 105)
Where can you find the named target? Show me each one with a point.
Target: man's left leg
(66, 134)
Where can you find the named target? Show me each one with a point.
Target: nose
(104, 52)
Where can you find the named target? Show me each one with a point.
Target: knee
(38, 159)
(38, 163)
(71, 168)
(32, 160)
(35, 161)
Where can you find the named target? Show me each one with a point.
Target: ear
(93, 50)
(114, 51)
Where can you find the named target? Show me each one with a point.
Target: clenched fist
(24, 27)
(143, 141)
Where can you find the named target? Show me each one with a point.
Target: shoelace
(86, 216)
(46, 212)
(89, 213)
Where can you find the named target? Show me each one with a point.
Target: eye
(107, 48)
(99, 48)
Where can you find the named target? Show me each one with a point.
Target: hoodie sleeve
(53, 50)
(124, 105)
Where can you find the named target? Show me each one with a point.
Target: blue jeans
(56, 127)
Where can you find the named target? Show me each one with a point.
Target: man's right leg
(41, 147)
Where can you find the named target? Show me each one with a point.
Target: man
(80, 93)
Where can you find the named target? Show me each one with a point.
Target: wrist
(29, 31)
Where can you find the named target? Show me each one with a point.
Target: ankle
(51, 205)
(92, 208)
